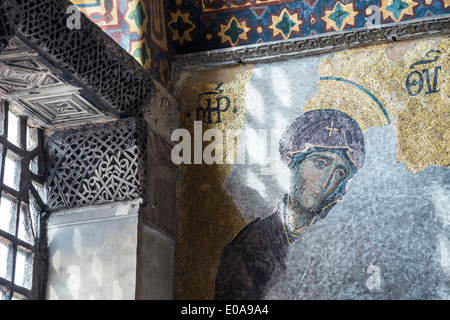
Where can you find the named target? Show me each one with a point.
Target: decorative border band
(313, 45)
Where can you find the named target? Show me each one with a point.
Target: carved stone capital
(161, 113)
(97, 164)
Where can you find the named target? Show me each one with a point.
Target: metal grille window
(21, 190)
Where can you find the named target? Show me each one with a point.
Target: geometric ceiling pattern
(43, 93)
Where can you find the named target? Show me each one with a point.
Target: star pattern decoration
(445, 4)
(340, 16)
(181, 26)
(285, 23)
(141, 52)
(397, 9)
(136, 17)
(234, 31)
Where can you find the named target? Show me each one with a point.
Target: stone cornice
(85, 54)
(279, 50)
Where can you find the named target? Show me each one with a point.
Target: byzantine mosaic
(155, 30)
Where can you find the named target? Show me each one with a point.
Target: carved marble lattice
(9, 19)
(97, 164)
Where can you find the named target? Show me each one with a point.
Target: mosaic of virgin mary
(323, 150)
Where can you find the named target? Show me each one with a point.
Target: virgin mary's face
(314, 179)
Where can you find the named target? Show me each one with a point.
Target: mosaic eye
(320, 163)
(340, 174)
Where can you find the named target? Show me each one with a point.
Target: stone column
(101, 245)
